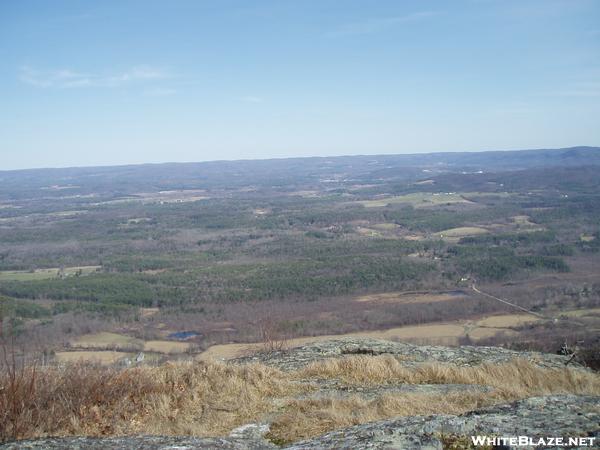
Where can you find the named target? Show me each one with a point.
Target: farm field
(44, 274)
(434, 334)
(105, 340)
(122, 342)
(454, 234)
(166, 346)
(405, 298)
(101, 357)
(418, 200)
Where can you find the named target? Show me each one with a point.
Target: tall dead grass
(210, 399)
(312, 417)
(518, 378)
(183, 398)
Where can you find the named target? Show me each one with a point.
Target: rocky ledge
(410, 354)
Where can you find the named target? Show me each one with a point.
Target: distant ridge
(118, 181)
(580, 155)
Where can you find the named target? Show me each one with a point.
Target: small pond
(183, 335)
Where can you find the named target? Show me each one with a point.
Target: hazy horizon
(135, 82)
(297, 157)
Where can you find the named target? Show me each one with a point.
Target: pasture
(417, 200)
(46, 274)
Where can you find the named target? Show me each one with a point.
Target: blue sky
(117, 82)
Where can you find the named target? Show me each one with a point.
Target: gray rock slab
(140, 442)
(410, 354)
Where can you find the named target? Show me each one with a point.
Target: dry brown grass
(506, 320)
(518, 378)
(400, 297)
(166, 346)
(210, 399)
(312, 417)
(106, 340)
(183, 398)
(91, 356)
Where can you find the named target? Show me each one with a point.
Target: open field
(369, 232)
(147, 312)
(45, 274)
(102, 357)
(417, 200)
(460, 232)
(166, 346)
(439, 334)
(106, 340)
(406, 298)
(581, 312)
(479, 333)
(120, 342)
(523, 220)
(435, 334)
(386, 226)
(507, 320)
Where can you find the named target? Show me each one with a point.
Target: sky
(86, 83)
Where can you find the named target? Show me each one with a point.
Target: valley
(101, 264)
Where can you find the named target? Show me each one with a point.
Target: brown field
(104, 340)
(417, 200)
(580, 312)
(413, 237)
(114, 341)
(102, 357)
(434, 334)
(478, 333)
(506, 320)
(456, 233)
(524, 221)
(147, 312)
(447, 334)
(166, 346)
(425, 182)
(367, 232)
(306, 194)
(403, 298)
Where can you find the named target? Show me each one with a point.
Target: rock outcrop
(411, 354)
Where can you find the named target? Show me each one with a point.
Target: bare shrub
(18, 386)
(272, 336)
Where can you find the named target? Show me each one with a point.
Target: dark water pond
(183, 335)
